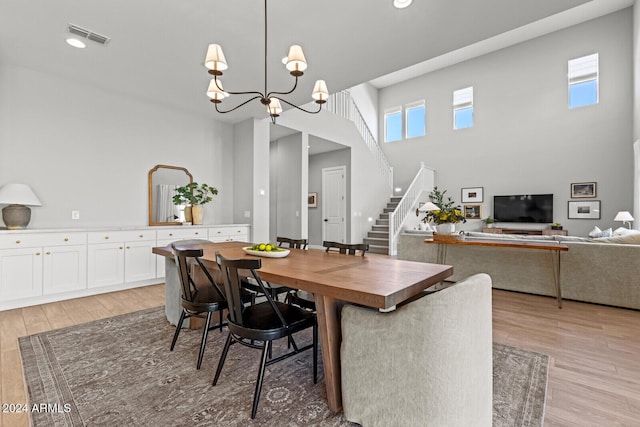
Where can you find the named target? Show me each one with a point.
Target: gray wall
(83, 148)
(316, 163)
(286, 187)
(525, 139)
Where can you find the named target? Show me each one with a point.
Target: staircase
(378, 237)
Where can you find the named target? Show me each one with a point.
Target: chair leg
(223, 357)
(315, 353)
(203, 342)
(220, 320)
(256, 394)
(178, 327)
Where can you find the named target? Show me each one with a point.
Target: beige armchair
(428, 363)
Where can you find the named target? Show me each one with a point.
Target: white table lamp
(18, 197)
(429, 206)
(625, 217)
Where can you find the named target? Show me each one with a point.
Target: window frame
(462, 100)
(388, 112)
(581, 70)
(412, 106)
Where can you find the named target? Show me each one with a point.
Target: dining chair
(305, 299)
(275, 289)
(197, 299)
(345, 248)
(257, 326)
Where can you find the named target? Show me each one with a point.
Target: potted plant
(448, 215)
(489, 221)
(556, 226)
(193, 196)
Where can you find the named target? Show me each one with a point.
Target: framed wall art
(583, 190)
(472, 211)
(312, 200)
(472, 195)
(584, 209)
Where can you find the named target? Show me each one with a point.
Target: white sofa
(428, 363)
(601, 270)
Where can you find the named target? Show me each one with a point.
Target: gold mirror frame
(151, 204)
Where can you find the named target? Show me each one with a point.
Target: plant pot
(447, 228)
(490, 225)
(556, 227)
(187, 214)
(197, 214)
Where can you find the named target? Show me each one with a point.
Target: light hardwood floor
(594, 373)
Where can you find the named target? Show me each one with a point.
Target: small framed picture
(312, 200)
(472, 195)
(584, 209)
(583, 190)
(472, 211)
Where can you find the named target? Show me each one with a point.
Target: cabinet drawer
(182, 233)
(228, 231)
(30, 240)
(121, 236)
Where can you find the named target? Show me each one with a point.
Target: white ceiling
(158, 46)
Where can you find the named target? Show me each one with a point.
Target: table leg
(330, 337)
(555, 261)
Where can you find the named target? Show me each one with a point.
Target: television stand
(524, 231)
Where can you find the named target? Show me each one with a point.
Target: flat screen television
(523, 208)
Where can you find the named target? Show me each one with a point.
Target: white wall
(82, 148)
(525, 139)
(365, 97)
(286, 188)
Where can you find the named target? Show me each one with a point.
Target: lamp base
(16, 217)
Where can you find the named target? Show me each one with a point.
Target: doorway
(334, 211)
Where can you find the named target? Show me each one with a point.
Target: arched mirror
(163, 180)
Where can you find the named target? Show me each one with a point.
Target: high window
(463, 108)
(583, 81)
(415, 118)
(393, 124)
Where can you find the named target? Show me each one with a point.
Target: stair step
(384, 215)
(388, 210)
(381, 228)
(392, 206)
(382, 222)
(376, 242)
(396, 199)
(379, 234)
(379, 249)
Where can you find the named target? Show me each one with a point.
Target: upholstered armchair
(427, 363)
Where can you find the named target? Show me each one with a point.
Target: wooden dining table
(376, 281)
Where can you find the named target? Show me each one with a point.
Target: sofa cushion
(628, 239)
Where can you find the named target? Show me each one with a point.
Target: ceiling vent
(87, 34)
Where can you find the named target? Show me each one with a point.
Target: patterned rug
(119, 372)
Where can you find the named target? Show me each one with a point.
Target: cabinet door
(65, 269)
(20, 273)
(105, 265)
(140, 262)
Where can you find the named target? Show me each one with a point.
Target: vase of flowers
(448, 215)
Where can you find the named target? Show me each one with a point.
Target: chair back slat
(345, 248)
(185, 259)
(233, 285)
(292, 243)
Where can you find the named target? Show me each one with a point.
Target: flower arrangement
(449, 212)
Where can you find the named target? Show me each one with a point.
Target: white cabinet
(229, 233)
(168, 235)
(116, 257)
(38, 264)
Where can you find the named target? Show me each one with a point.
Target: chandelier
(295, 62)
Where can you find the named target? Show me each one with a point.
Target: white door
(334, 189)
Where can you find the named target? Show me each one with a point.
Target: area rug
(119, 372)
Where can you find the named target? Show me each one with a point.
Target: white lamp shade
(274, 108)
(18, 194)
(320, 91)
(296, 60)
(215, 91)
(429, 206)
(623, 216)
(215, 59)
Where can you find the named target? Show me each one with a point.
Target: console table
(553, 248)
(526, 231)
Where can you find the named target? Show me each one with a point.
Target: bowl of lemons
(268, 250)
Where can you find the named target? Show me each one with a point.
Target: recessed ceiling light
(76, 43)
(401, 4)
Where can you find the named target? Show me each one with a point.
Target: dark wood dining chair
(198, 299)
(346, 248)
(257, 326)
(274, 289)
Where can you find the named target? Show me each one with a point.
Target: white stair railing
(423, 181)
(343, 105)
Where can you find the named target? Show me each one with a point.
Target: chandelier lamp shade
(295, 63)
